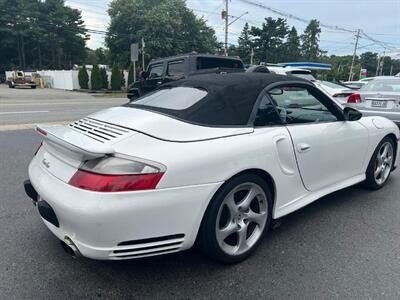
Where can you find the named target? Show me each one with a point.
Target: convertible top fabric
(229, 101)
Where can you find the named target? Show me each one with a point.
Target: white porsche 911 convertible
(211, 159)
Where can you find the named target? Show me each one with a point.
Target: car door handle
(159, 82)
(302, 147)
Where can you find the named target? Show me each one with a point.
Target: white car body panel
(199, 160)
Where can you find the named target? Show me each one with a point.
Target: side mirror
(351, 114)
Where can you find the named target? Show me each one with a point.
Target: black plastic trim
(151, 240)
(30, 190)
(47, 213)
(147, 248)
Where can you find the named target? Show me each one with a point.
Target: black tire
(11, 86)
(33, 86)
(207, 237)
(371, 182)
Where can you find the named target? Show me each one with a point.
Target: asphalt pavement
(22, 107)
(343, 246)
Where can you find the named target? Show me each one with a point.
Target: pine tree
(245, 44)
(104, 78)
(116, 79)
(95, 78)
(310, 41)
(130, 74)
(83, 78)
(293, 46)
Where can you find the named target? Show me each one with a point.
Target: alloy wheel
(241, 218)
(383, 163)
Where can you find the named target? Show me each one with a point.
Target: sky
(379, 19)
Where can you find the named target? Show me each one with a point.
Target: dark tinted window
(176, 68)
(156, 71)
(215, 62)
(267, 114)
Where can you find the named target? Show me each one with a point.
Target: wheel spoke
(245, 203)
(255, 217)
(233, 208)
(378, 171)
(242, 241)
(223, 233)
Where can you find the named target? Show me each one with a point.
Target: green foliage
(83, 78)
(292, 46)
(310, 41)
(95, 78)
(269, 39)
(41, 34)
(168, 27)
(130, 74)
(104, 78)
(116, 80)
(245, 44)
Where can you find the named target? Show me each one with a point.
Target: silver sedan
(380, 97)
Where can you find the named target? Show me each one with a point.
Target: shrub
(116, 79)
(83, 78)
(104, 78)
(95, 78)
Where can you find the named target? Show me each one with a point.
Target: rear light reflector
(114, 183)
(355, 98)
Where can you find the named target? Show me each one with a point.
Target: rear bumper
(123, 225)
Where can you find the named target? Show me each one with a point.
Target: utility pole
(382, 63)
(251, 56)
(377, 65)
(226, 27)
(354, 54)
(143, 69)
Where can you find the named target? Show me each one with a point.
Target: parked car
(380, 97)
(209, 158)
(339, 92)
(355, 85)
(173, 68)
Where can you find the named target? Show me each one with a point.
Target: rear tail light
(355, 98)
(114, 174)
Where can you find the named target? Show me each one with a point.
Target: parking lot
(344, 246)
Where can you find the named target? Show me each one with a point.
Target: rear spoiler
(67, 138)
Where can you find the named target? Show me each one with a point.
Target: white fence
(63, 79)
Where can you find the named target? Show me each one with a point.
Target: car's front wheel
(381, 164)
(236, 219)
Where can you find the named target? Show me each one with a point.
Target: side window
(296, 105)
(176, 68)
(156, 71)
(267, 113)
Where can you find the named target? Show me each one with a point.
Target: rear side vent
(148, 247)
(98, 130)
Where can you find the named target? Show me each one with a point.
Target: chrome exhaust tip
(68, 245)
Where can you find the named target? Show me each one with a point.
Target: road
(344, 246)
(19, 108)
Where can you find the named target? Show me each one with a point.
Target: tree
(245, 44)
(268, 40)
(104, 78)
(130, 74)
(292, 46)
(41, 34)
(167, 26)
(369, 61)
(310, 41)
(116, 79)
(95, 78)
(83, 78)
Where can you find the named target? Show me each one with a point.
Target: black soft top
(229, 101)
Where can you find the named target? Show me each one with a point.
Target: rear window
(303, 74)
(382, 85)
(176, 98)
(214, 62)
(176, 68)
